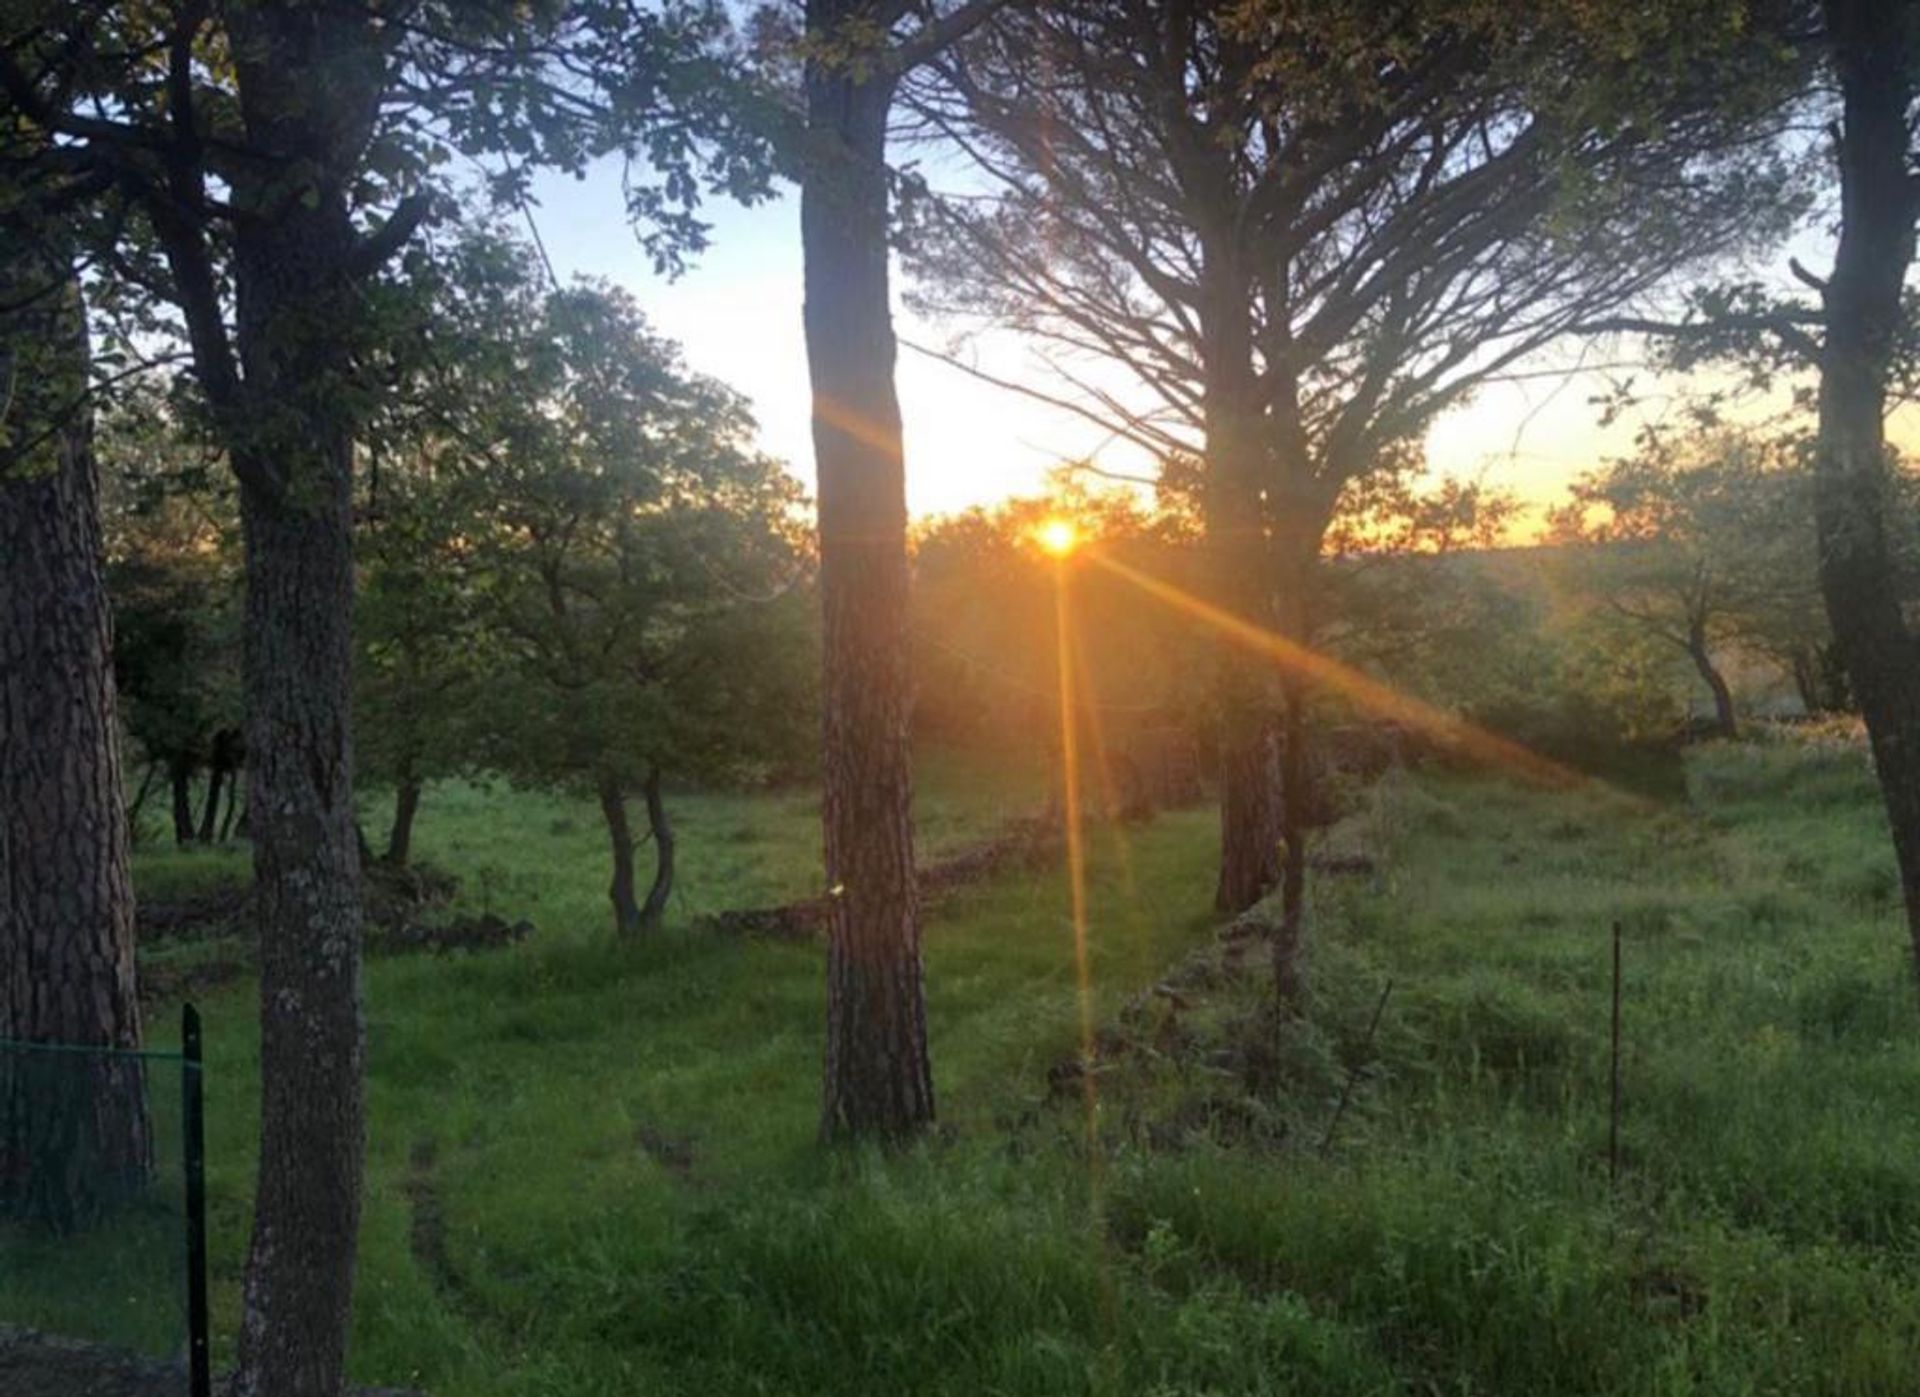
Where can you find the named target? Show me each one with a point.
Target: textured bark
(1872, 43)
(654, 912)
(1248, 753)
(74, 1132)
(289, 417)
(878, 1082)
(406, 805)
(1237, 546)
(613, 809)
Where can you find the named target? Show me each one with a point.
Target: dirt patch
(673, 1153)
(427, 1225)
(1028, 843)
(218, 912)
(167, 983)
(483, 933)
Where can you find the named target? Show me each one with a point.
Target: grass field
(592, 1167)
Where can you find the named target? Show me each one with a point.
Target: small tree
(1688, 542)
(630, 561)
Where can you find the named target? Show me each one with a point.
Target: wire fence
(102, 1200)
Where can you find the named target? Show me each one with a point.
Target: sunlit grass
(619, 1140)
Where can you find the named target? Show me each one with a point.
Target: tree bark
(289, 433)
(654, 912)
(613, 808)
(878, 1081)
(406, 804)
(75, 1137)
(1872, 43)
(1240, 567)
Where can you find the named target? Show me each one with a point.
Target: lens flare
(1057, 537)
(1446, 729)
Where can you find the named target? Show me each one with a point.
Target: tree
(1687, 542)
(878, 1082)
(608, 540)
(1874, 52)
(66, 892)
(418, 663)
(257, 165)
(1857, 332)
(173, 573)
(1303, 232)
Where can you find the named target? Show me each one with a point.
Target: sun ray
(1076, 864)
(1447, 729)
(1110, 795)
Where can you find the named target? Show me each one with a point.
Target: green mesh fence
(100, 1241)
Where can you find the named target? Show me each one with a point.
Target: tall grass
(593, 1169)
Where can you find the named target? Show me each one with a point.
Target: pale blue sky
(736, 313)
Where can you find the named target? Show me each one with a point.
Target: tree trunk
(406, 804)
(297, 305)
(180, 777)
(1240, 568)
(613, 808)
(1872, 43)
(1726, 722)
(210, 812)
(655, 910)
(147, 783)
(74, 1131)
(233, 803)
(878, 1081)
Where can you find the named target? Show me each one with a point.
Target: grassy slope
(592, 1167)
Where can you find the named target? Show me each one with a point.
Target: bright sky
(736, 314)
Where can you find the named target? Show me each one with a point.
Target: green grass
(617, 1142)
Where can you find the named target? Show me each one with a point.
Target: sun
(1057, 536)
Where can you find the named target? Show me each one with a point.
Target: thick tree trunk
(292, 449)
(406, 805)
(1726, 721)
(180, 778)
(613, 809)
(878, 1082)
(1872, 44)
(1240, 569)
(654, 912)
(74, 1131)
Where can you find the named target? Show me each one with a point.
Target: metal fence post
(194, 1133)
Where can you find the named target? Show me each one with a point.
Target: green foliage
(173, 572)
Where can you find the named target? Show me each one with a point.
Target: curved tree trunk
(1872, 42)
(613, 809)
(878, 1082)
(74, 1133)
(654, 912)
(1726, 721)
(406, 805)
